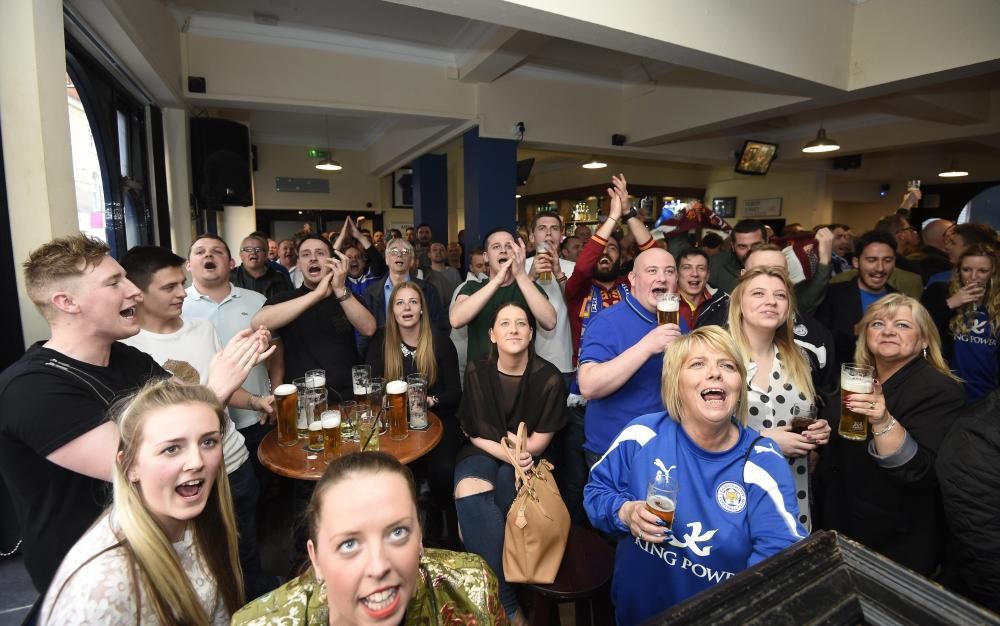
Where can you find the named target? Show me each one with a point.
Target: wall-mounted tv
(756, 157)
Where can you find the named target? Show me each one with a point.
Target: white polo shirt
(229, 317)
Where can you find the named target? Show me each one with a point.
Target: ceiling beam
(490, 51)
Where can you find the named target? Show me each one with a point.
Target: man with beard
(422, 246)
(843, 248)
(444, 277)
(256, 273)
(365, 263)
(697, 295)
(846, 302)
(725, 267)
(597, 283)
(317, 321)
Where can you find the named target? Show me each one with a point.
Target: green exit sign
(318, 154)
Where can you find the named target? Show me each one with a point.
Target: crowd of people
(128, 438)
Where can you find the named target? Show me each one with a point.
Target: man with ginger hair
(57, 448)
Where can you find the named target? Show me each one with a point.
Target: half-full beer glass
(854, 378)
(661, 497)
(668, 309)
(545, 276)
(395, 393)
(288, 414)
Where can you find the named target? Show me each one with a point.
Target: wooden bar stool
(584, 578)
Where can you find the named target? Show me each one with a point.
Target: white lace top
(102, 592)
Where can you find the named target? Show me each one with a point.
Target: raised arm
(600, 379)
(467, 307)
(538, 303)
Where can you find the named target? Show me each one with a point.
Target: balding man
(621, 354)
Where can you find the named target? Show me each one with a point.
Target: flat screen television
(756, 157)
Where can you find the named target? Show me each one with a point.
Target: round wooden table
(297, 462)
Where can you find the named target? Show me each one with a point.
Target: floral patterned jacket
(453, 589)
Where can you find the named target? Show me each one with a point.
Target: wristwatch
(343, 298)
(632, 212)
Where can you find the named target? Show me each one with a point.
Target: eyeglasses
(399, 252)
(249, 249)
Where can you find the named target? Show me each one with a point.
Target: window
(86, 167)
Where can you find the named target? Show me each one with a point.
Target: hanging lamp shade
(329, 165)
(594, 164)
(821, 143)
(953, 171)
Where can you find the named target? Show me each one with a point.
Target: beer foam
(396, 386)
(662, 503)
(668, 305)
(855, 385)
(285, 390)
(316, 381)
(360, 390)
(316, 426)
(331, 419)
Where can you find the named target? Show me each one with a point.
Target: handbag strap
(520, 445)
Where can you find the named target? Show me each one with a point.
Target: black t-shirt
(322, 337)
(46, 401)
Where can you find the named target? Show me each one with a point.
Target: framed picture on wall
(724, 207)
(762, 207)
(402, 188)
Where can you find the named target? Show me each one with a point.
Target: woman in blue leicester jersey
(736, 502)
(966, 311)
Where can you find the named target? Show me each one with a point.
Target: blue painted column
(430, 194)
(490, 185)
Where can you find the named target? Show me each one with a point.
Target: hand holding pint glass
(661, 497)
(668, 309)
(540, 249)
(854, 378)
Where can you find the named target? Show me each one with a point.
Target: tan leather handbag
(537, 522)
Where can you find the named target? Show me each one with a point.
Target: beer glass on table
(416, 392)
(367, 425)
(668, 309)
(348, 427)
(331, 434)
(854, 378)
(361, 378)
(288, 414)
(395, 394)
(661, 497)
(316, 379)
(317, 406)
(376, 400)
(545, 276)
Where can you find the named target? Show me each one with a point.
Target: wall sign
(762, 207)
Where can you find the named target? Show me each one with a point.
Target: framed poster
(762, 207)
(402, 188)
(724, 207)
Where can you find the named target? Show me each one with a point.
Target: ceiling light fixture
(594, 164)
(327, 164)
(953, 171)
(821, 143)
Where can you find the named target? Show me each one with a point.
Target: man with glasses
(256, 273)
(316, 322)
(400, 258)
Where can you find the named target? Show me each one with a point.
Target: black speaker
(618, 140)
(196, 84)
(220, 162)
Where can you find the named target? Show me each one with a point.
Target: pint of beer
(395, 393)
(315, 436)
(545, 276)
(854, 378)
(288, 414)
(668, 308)
(361, 377)
(331, 434)
(661, 497)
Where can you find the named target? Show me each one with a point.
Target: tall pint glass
(668, 309)
(361, 378)
(854, 378)
(288, 414)
(331, 434)
(395, 393)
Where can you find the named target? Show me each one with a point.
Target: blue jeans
(482, 517)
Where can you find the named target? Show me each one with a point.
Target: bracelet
(253, 397)
(347, 294)
(879, 433)
(562, 279)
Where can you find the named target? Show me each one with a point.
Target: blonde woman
(779, 379)
(967, 314)
(736, 495)
(165, 552)
(408, 345)
(884, 492)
